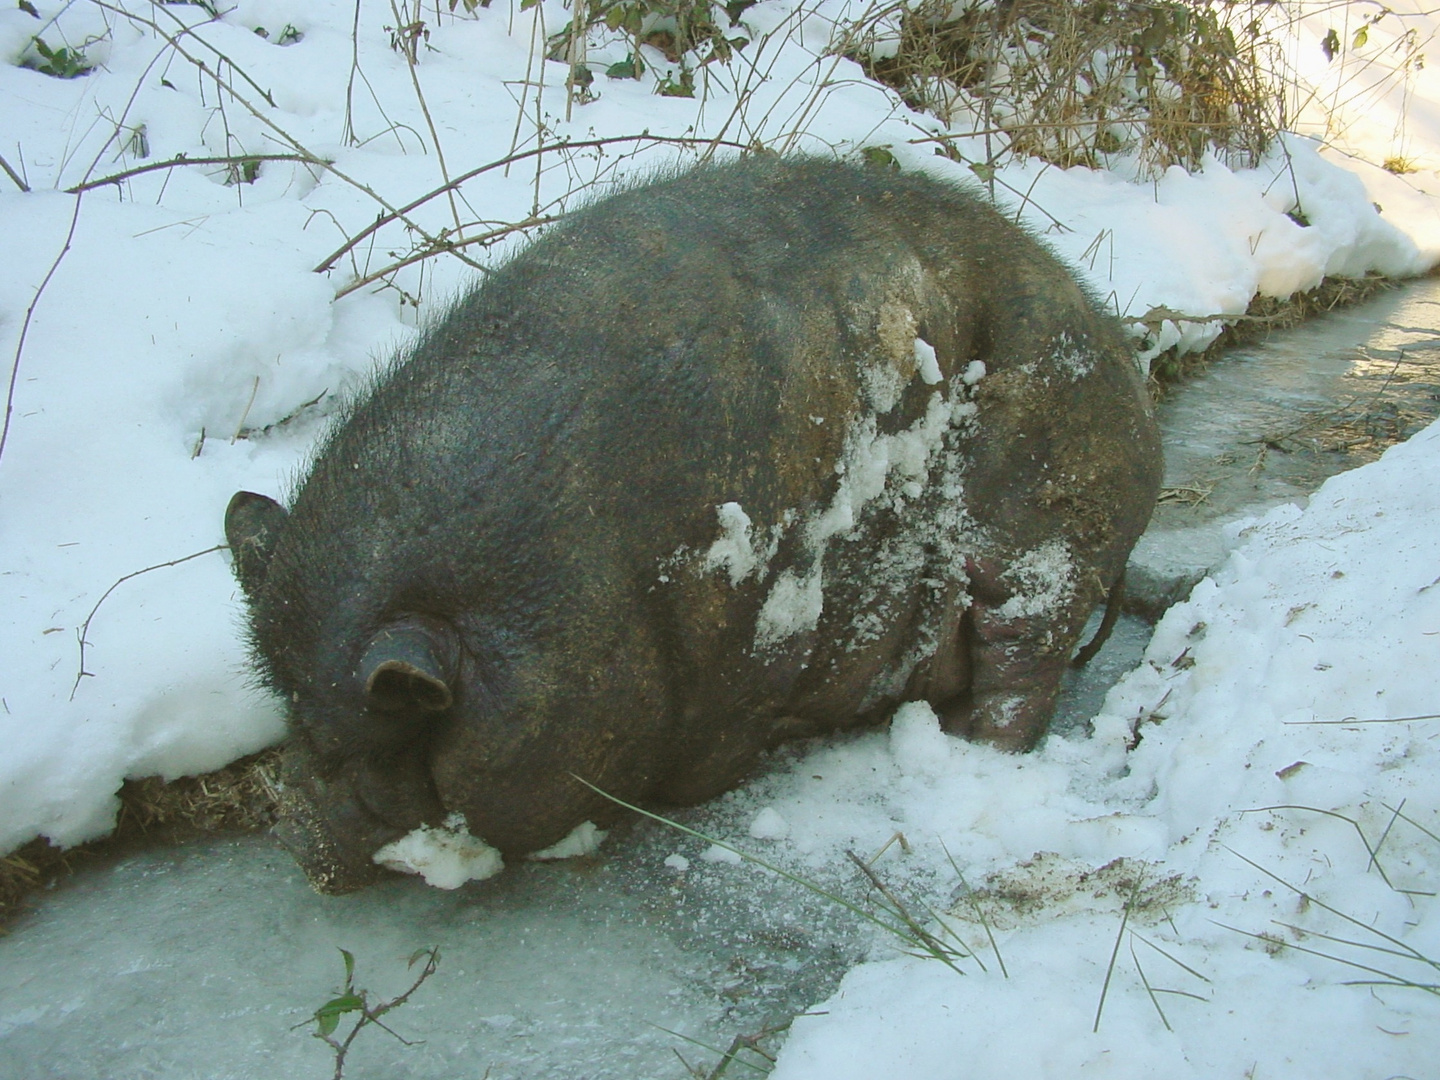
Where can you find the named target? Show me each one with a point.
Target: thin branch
(933, 945)
(1115, 952)
(1351, 720)
(19, 181)
(85, 627)
(280, 133)
(181, 159)
(25, 324)
(399, 213)
(409, 48)
(427, 253)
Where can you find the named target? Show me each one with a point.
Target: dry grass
(237, 798)
(1264, 316)
(1080, 82)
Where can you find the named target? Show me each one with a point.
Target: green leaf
(880, 157)
(28, 8)
(327, 1017)
(629, 68)
(735, 8)
(349, 968)
(418, 953)
(983, 170)
(1361, 36)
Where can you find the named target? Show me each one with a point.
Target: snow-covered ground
(172, 343)
(1281, 731)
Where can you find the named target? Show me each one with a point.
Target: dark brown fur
(503, 568)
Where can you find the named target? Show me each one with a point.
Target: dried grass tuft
(1265, 315)
(1081, 82)
(238, 798)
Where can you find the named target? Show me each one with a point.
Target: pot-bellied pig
(753, 452)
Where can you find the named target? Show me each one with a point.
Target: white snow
(184, 348)
(717, 853)
(769, 825)
(1285, 712)
(929, 366)
(795, 601)
(446, 856)
(584, 839)
(792, 606)
(732, 550)
(1043, 580)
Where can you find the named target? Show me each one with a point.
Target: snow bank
(1282, 713)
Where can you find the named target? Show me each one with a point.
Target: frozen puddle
(199, 960)
(1269, 422)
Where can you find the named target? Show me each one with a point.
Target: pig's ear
(252, 526)
(408, 668)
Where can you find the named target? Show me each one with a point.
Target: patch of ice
(678, 863)
(974, 372)
(446, 856)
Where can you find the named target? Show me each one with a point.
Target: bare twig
(25, 324)
(85, 627)
(213, 73)
(347, 132)
(240, 426)
(1351, 720)
(1115, 952)
(409, 50)
(579, 144)
(19, 181)
(181, 159)
(430, 252)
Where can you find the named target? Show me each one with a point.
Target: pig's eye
(407, 668)
(395, 685)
